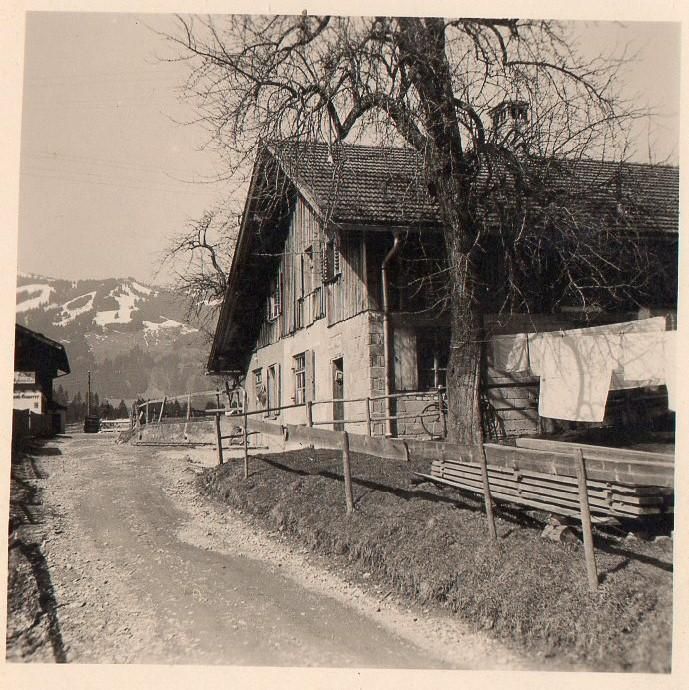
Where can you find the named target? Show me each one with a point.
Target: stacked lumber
(539, 487)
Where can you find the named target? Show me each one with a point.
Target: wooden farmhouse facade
(333, 293)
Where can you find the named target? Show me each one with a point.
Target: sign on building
(24, 377)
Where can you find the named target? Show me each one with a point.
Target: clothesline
(578, 367)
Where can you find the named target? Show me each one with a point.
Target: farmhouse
(335, 293)
(37, 361)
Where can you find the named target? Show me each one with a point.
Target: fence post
(218, 437)
(591, 570)
(368, 417)
(347, 472)
(185, 432)
(147, 415)
(309, 413)
(486, 492)
(246, 436)
(162, 409)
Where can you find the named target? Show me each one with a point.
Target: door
(338, 393)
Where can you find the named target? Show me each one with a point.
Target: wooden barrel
(91, 424)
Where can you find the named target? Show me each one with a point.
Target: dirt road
(142, 569)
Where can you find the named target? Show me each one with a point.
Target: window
(259, 388)
(273, 390)
(432, 353)
(275, 298)
(300, 378)
(331, 260)
(307, 271)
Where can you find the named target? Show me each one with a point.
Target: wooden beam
(599, 452)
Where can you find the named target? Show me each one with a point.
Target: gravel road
(145, 570)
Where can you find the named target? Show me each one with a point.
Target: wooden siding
(305, 298)
(347, 295)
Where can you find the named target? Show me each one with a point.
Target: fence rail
(237, 403)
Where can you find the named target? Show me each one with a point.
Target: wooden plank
(596, 489)
(600, 452)
(520, 488)
(389, 449)
(320, 438)
(614, 486)
(572, 503)
(631, 472)
(546, 507)
(270, 428)
(623, 471)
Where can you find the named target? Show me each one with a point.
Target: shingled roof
(371, 185)
(360, 184)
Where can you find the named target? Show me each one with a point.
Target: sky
(109, 173)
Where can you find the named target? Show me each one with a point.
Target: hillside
(131, 336)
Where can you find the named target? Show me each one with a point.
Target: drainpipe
(387, 354)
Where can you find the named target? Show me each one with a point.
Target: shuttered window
(273, 390)
(330, 264)
(275, 298)
(300, 378)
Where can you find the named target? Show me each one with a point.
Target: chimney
(509, 118)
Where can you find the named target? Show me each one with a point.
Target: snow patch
(35, 301)
(68, 313)
(126, 304)
(141, 289)
(151, 327)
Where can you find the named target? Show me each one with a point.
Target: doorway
(338, 393)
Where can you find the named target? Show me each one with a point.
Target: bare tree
(199, 259)
(431, 83)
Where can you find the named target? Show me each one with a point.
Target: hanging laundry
(669, 353)
(642, 360)
(575, 376)
(536, 343)
(509, 353)
(651, 325)
(610, 331)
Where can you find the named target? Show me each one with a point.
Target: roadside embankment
(430, 545)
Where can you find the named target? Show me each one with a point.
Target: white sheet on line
(509, 353)
(575, 375)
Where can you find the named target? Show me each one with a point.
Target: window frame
(299, 369)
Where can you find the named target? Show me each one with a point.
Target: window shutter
(277, 387)
(336, 256)
(278, 295)
(325, 268)
(310, 374)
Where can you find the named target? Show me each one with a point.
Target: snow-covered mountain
(131, 336)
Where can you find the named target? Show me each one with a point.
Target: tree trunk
(464, 361)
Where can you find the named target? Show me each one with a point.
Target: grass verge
(429, 544)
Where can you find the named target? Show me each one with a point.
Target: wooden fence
(561, 478)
